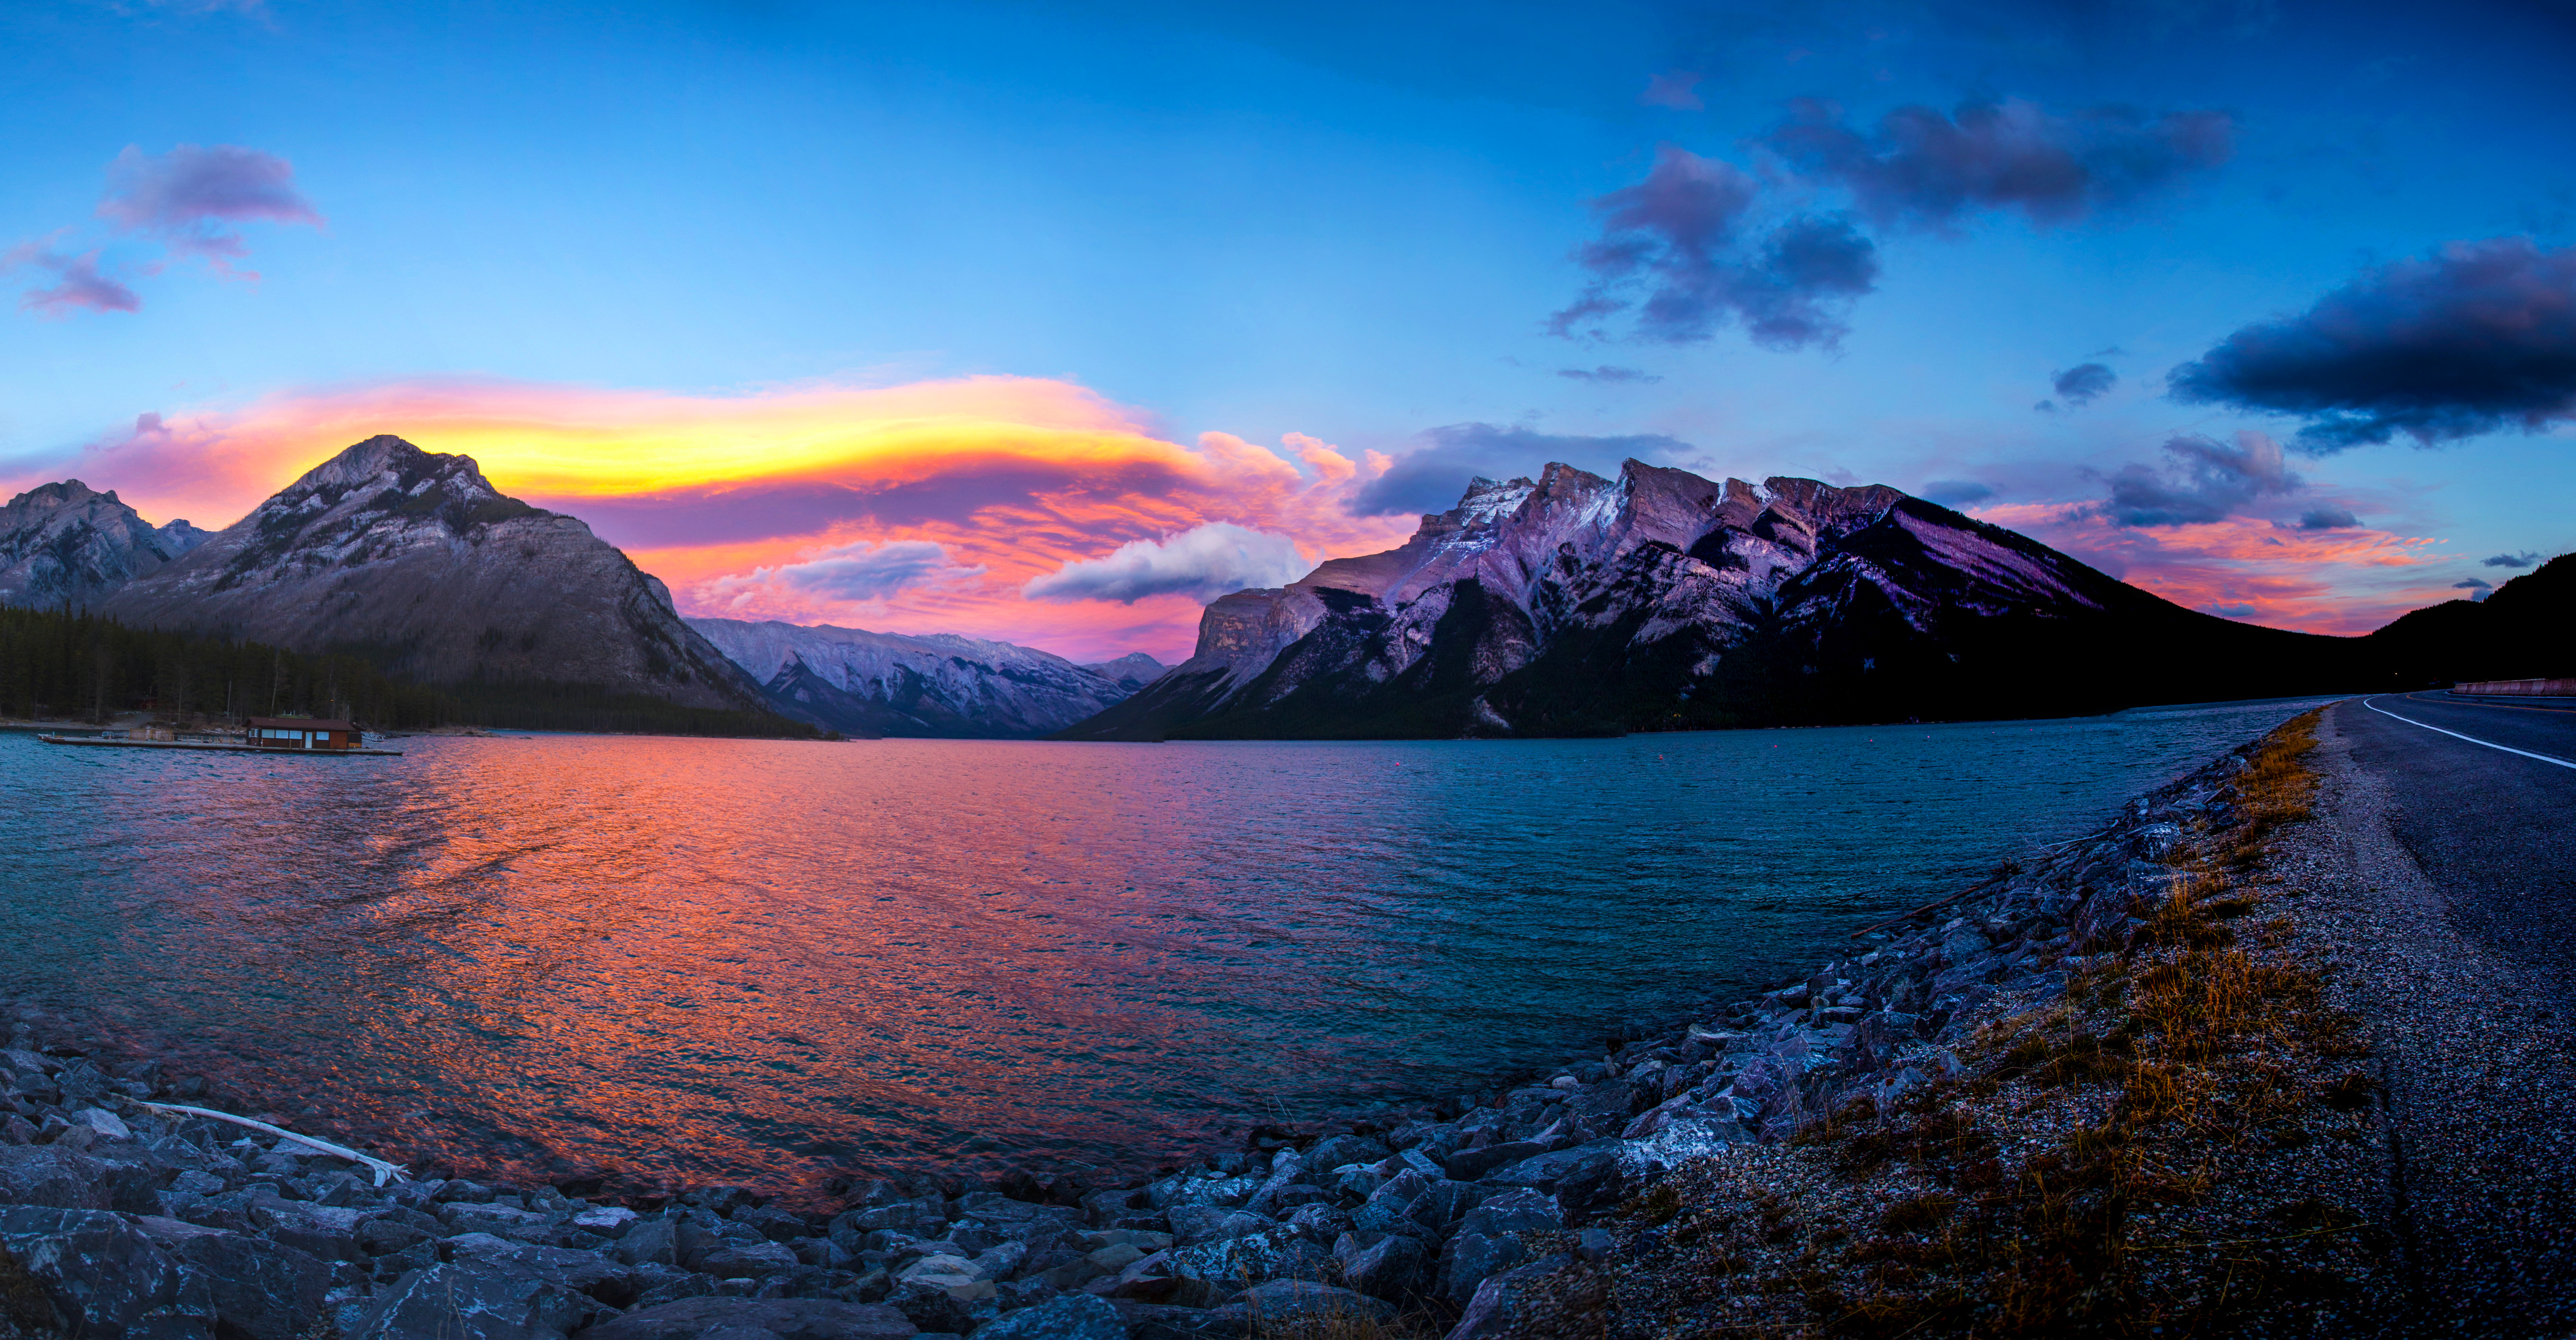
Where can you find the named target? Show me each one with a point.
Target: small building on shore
(300, 733)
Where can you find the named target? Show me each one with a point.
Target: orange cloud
(2346, 581)
(915, 508)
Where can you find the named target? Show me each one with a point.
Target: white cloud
(860, 571)
(1204, 562)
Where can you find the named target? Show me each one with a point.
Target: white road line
(2470, 738)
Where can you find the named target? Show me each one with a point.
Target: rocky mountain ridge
(1575, 604)
(67, 544)
(412, 559)
(893, 684)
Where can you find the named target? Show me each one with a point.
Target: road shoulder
(2477, 1085)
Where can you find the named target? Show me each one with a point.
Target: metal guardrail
(2519, 688)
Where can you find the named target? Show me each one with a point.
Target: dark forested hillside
(62, 666)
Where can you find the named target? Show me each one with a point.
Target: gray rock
(1278, 1253)
(1467, 1165)
(1443, 1203)
(1390, 1208)
(1395, 1268)
(477, 1300)
(53, 1176)
(1282, 1301)
(931, 1306)
(733, 1260)
(922, 1217)
(1331, 1153)
(1489, 1241)
(788, 1318)
(1072, 1317)
(249, 1289)
(1544, 1170)
(98, 1274)
(601, 1277)
(655, 1241)
(1150, 1321)
(497, 1219)
(1499, 1299)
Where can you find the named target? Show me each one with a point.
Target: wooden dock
(103, 742)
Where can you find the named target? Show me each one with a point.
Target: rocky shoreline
(121, 1217)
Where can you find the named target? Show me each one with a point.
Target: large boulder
(1490, 1240)
(249, 1289)
(1271, 1254)
(1500, 1299)
(478, 1299)
(786, 1318)
(604, 1278)
(96, 1273)
(51, 1176)
(1072, 1317)
(1395, 1268)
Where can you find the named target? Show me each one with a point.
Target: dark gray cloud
(1955, 492)
(2525, 559)
(2476, 338)
(2083, 383)
(2327, 518)
(2202, 480)
(1607, 373)
(1430, 477)
(2478, 590)
(1921, 168)
(1681, 250)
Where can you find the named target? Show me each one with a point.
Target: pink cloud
(2344, 580)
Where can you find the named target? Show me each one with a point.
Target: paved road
(2494, 831)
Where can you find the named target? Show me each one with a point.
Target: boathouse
(301, 733)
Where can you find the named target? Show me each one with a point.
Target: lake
(673, 961)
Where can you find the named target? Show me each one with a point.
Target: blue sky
(1350, 222)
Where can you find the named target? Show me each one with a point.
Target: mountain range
(1575, 604)
(1567, 605)
(66, 545)
(880, 684)
(413, 561)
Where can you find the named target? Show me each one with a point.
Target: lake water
(688, 961)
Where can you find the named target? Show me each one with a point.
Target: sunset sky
(1051, 323)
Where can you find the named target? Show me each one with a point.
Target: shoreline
(1443, 1213)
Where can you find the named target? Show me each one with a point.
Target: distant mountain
(413, 559)
(941, 685)
(1661, 600)
(66, 544)
(2525, 629)
(1131, 672)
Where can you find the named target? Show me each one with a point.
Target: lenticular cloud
(1203, 562)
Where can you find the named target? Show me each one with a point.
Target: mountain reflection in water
(691, 961)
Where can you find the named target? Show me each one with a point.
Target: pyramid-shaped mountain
(413, 560)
